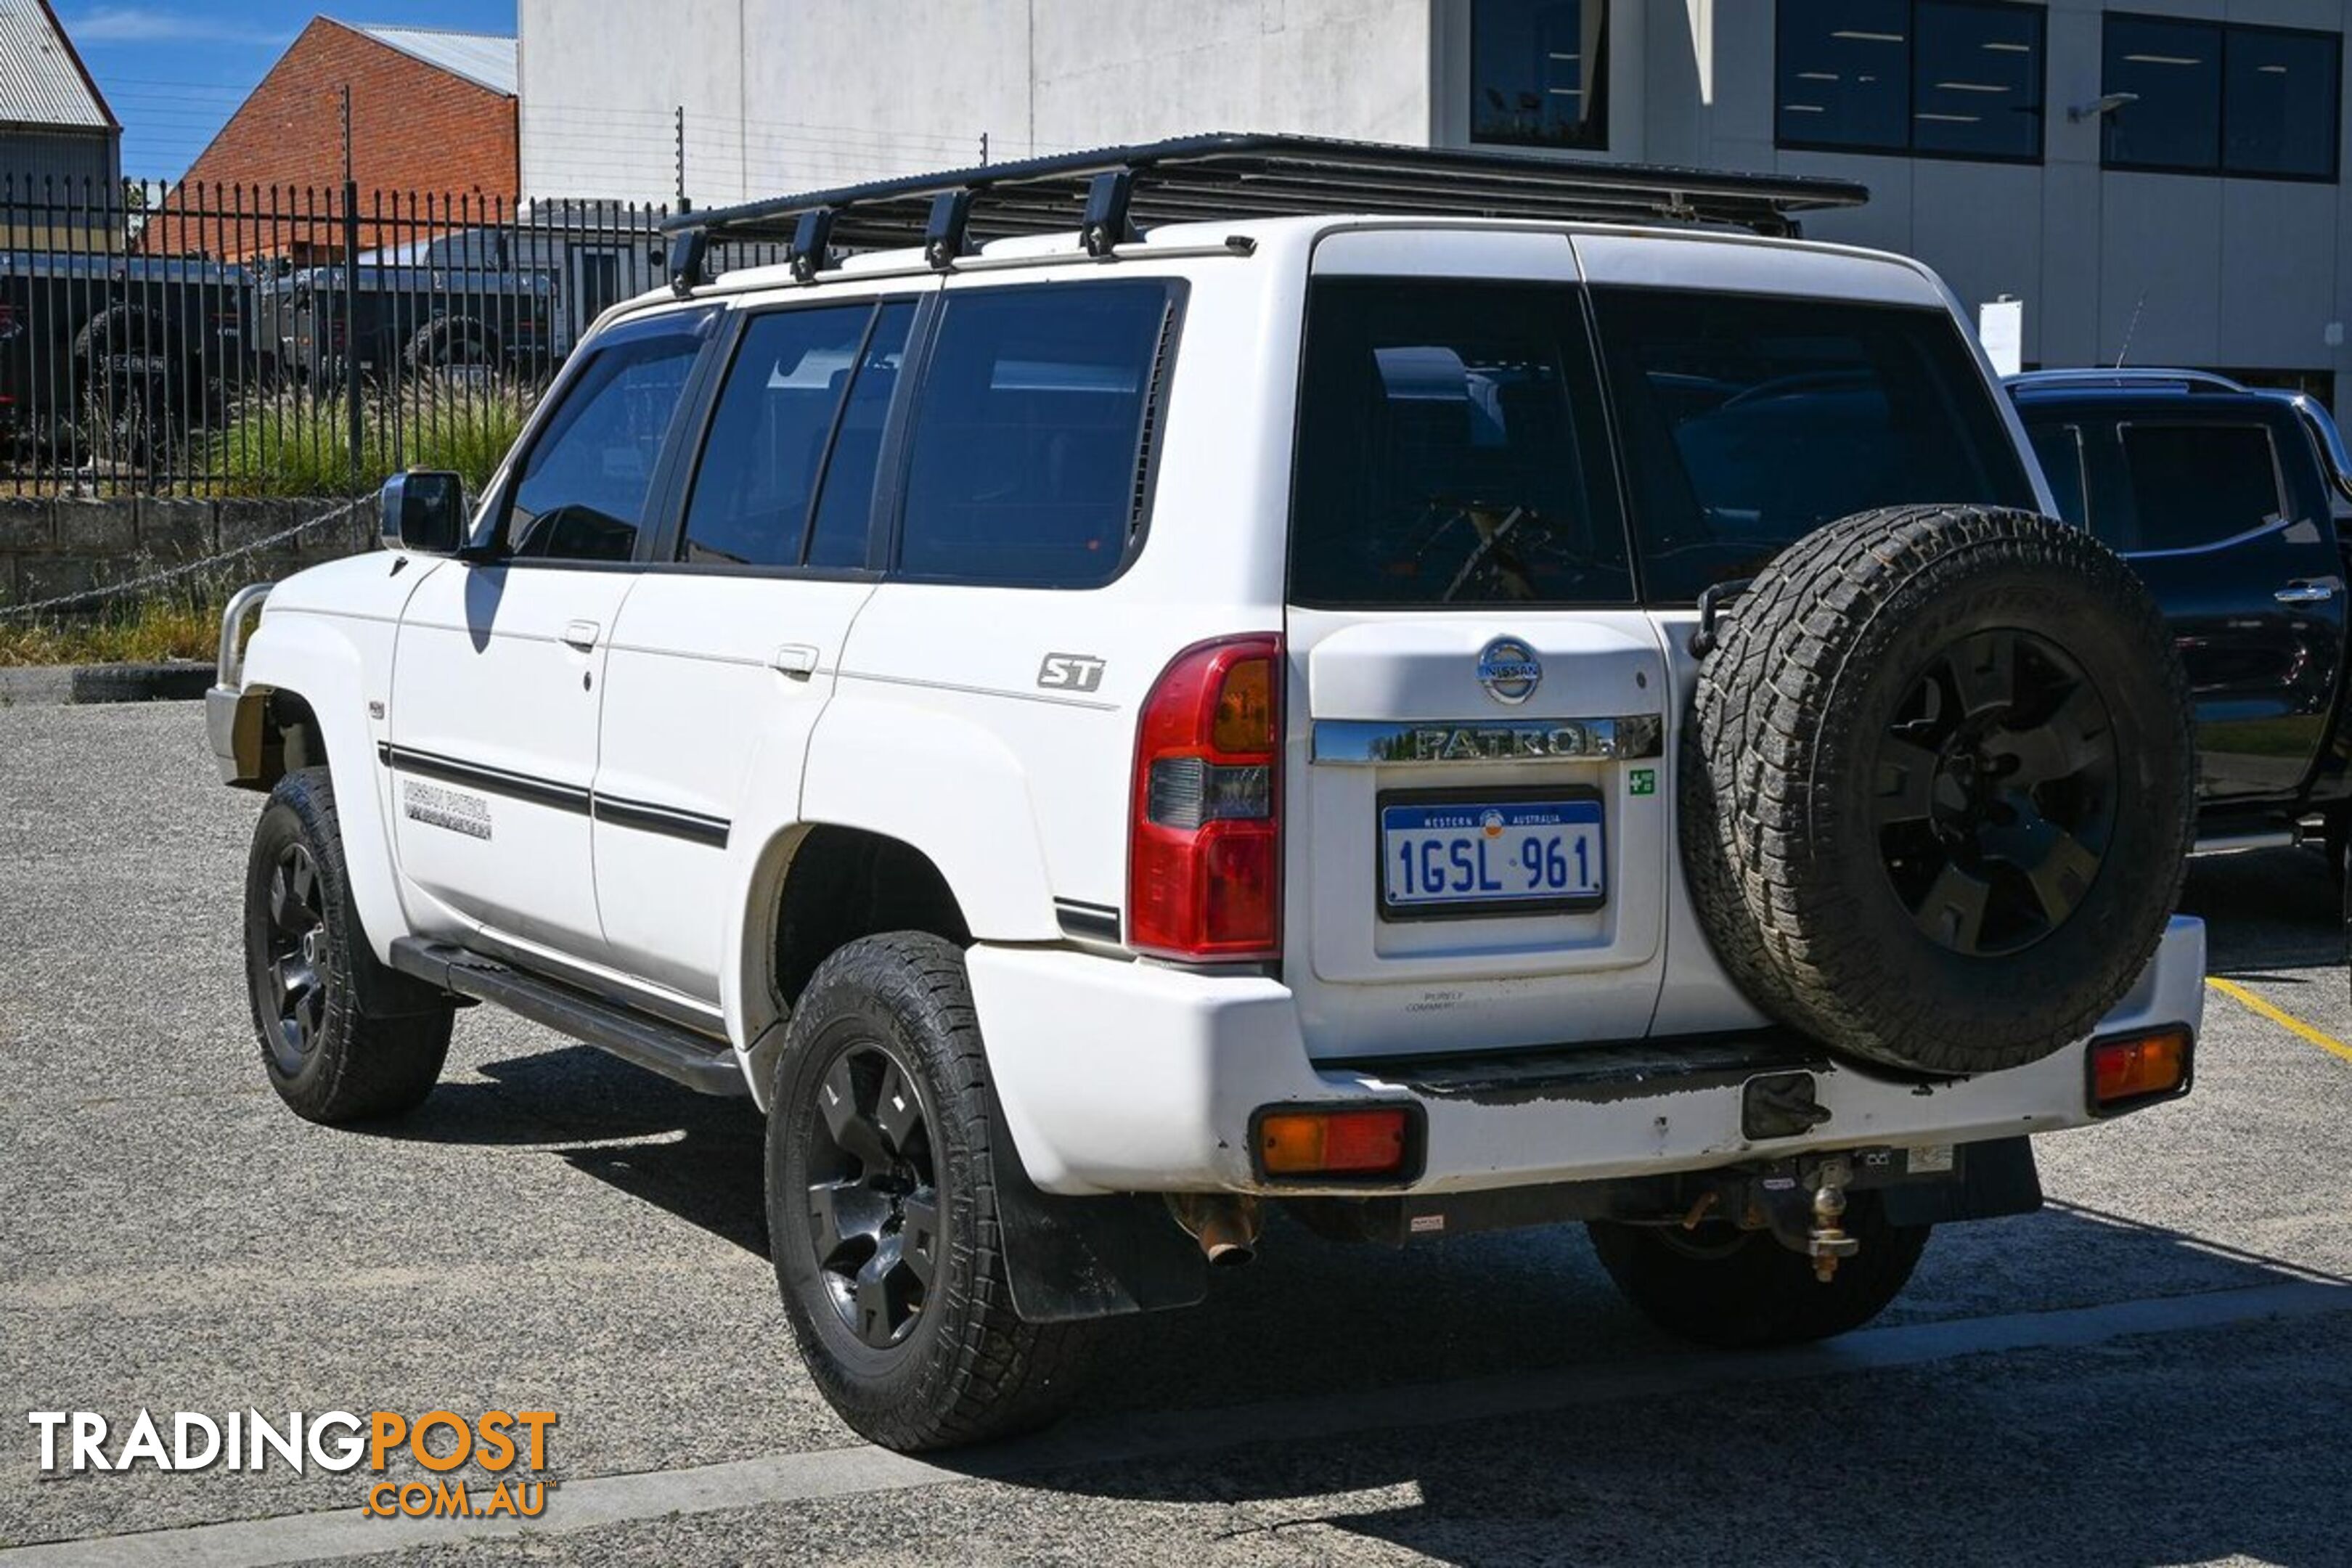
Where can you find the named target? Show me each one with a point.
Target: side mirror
(423, 510)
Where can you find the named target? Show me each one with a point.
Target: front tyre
(1741, 1289)
(882, 1208)
(343, 1038)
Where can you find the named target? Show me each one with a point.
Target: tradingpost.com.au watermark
(509, 1447)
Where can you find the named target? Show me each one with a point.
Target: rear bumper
(1127, 1077)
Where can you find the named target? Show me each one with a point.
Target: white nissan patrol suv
(1112, 693)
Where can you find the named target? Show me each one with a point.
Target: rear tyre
(1936, 793)
(1741, 1289)
(343, 1038)
(882, 1208)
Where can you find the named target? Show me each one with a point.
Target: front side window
(1751, 421)
(582, 493)
(1451, 451)
(1956, 79)
(2206, 98)
(2190, 486)
(1031, 433)
(1540, 73)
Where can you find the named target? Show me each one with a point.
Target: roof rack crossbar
(1109, 195)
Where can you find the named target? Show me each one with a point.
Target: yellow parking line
(2325, 1041)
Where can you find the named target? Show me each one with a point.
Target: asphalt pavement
(2156, 1369)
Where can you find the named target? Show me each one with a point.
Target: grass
(293, 445)
(143, 631)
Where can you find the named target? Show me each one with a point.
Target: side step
(703, 1065)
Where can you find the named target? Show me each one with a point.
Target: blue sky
(175, 70)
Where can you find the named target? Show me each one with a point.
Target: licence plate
(1490, 857)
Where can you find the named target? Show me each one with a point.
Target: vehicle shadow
(2266, 910)
(1322, 1388)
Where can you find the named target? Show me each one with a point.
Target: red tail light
(1204, 848)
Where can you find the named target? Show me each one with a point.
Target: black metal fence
(233, 340)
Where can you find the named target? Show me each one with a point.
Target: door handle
(795, 658)
(2305, 594)
(580, 635)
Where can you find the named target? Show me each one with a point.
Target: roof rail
(2123, 376)
(1108, 194)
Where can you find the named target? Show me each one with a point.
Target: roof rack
(2122, 376)
(1109, 195)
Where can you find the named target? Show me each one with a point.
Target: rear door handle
(798, 658)
(2305, 594)
(580, 635)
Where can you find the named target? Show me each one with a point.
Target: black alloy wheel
(874, 1200)
(1997, 792)
(299, 958)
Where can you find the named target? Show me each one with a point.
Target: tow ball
(1827, 1241)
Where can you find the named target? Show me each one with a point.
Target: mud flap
(1069, 1259)
(1995, 1179)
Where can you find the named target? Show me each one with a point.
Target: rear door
(2238, 546)
(1477, 836)
(730, 646)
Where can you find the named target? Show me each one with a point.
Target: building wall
(415, 128)
(2235, 273)
(2226, 273)
(782, 96)
(60, 190)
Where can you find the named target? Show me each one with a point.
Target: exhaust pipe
(1225, 1226)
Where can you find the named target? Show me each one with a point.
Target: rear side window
(767, 436)
(1751, 421)
(1031, 433)
(581, 492)
(2195, 485)
(1451, 451)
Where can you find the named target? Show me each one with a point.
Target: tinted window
(1845, 73)
(1976, 80)
(2229, 99)
(1029, 434)
(2279, 97)
(767, 439)
(1539, 72)
(1451, 451)
(1750, 422)
(2193, 485)
(581, 492)
(2175, 68)
(1954, 78)
(2059, 449)
(846, 501)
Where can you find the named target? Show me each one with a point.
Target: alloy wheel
(1995, 793)
(298, 958)
(874, 1202)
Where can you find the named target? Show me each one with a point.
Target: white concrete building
(2160, 177)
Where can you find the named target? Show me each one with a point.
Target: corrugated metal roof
(40, 82)
(483, 58)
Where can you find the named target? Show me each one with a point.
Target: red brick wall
(415, 128)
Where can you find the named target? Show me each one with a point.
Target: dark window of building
(1539, 72)
(1030, 434)
(1950, 79)
(1451, 451)
(1749, 422)
(768, 437)
(2279, 103)
(2211, 99)
(581, 492)
(2196, 485)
